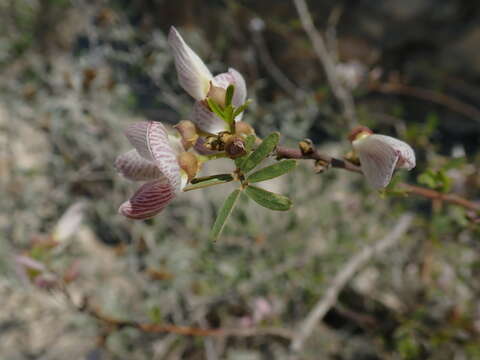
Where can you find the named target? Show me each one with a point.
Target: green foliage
(229, 95)
(227, 113)
(421, 133)
(241, 108)
(437, 180)
(272, 171)
(155, 314)
(260, 153)
(216, 108)
(268, 199)
(223, 214)
(203, 182)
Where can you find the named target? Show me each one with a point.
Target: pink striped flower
(380, 155)
(197, 80)
(158, 159)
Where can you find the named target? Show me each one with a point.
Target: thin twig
(283, 152)
(341, 279)
(256, 28)
(436, 195)
(341, 93)
(429, 95)
(113, 323)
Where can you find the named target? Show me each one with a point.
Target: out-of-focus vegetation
(74, 74)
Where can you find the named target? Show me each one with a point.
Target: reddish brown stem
(436, 195)
(428, 95)
(289, 153)
(113, 323)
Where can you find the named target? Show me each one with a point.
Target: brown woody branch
(342, 94)
(290, 153)
(112, 323)
(436, 195)
(428, 95)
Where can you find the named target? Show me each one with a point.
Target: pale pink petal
(193, 74)
(134, 167)
(223, 80)
(240, 94)
(377, 159)
(30, 263)
(150, 139)
(136, 133)
(149, 200)
(405, 152)
(206, 120)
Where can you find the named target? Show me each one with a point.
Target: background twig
(318, 43)
(342, 278)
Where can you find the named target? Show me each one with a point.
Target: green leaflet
(223, 214)
(215, 108)
(261, 152)
(272, 171)
(268, 199)
(199, 183)
(241, 108)
(229, 95)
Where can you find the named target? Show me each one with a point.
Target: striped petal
(206, 120)
(134, 167)
(193, 74)
(150, 139)
(380, 155)
(149, 200)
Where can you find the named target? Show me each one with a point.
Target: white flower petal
(240, 94)
(380, 155)
(134, 167)
(149, 200)
(150, 139)
(206, 120)
(405, 152)
(193, 74)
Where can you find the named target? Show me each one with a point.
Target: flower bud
(188, 133)
(358, 133)
(306, 147)
(217, 94)
(189, 163)
(235, 147)
(243, 128)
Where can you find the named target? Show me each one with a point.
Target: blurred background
(75, 73)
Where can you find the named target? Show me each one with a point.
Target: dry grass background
(75, 74)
